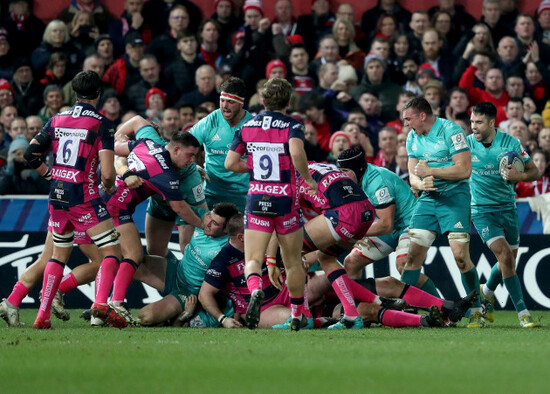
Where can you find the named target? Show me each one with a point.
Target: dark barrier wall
(22, 234)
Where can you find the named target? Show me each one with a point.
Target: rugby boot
(396, 304)
(476, 320)
(108, 315)
(345, 324)
(527, 321)
(487, 305)
(461, 306)
(10, 314)
(254, 309)
(433, 319)
(58, 307)
(121, 310)
(41, 324)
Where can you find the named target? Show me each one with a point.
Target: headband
(232, 97)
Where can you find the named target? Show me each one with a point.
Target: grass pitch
(502, 358)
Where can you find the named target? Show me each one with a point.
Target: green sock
(514, 289)
(470, 280)
(495, 278)
(410, 277)
(429, 287)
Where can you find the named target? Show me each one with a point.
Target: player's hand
(133, 181)
(312, 186)
(428, 184)
(511, 174)
(275, 276)
(422, 169)
(229, 322)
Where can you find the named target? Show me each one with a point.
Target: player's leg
(276, 314)
(185, 231)
(158, 233)
(53, 273)
(9, 307)
(153, 271)
(393, 318)
(160, 311)
(255, 246)
(291, 246)
(420, 242)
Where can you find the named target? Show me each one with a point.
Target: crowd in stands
(165, 60)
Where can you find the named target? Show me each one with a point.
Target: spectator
(101, 16)
(374, 82)
(34, 126)
(397, 123)
(535, 125)
(18, 126)
(300, 77)
(104, 47)
(311, 144)
(370, 105)
(27, 91)
(328, 53)
(458, 103)
(338, 143)
(344, 33)
(371, 16)
(419, 24)
(8, 113)
(180, 73)
(543, 16)
(6, 56)
(358, 138)
(111, 107)
(149, 70)
(314, 107)
(525, 36)
(83, 32)
(53, 101)
(413, 74)
(433, 92)
(541, 185)
(441, 22)
(385, 27)
(381, 47)
(401, 164)
(275, 69)
(399, 49)
(508, 59)
(165, 46)
(316, 25)
(56, 38)
(515, 87)
(56, 71)
(124, 72)
(509, 12)
(491, 13)
(170, 123)
(205, 79)
(227, 21)
(16, 177)
(186, 113)
(156, 13)
(387, 143)
(328, 74)
(529, 108)
(493, 92)
(461, 20)
(284, 23)
(155, 102)
(519, 130)
(442, 64)
(23, 28)
(537, 78)
(544, 140)
(209, 34)
(130, 21)
(514, 111)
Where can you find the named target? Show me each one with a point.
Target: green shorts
(204, 319)
(444, 212)
(192, 191)
(392, 240)
(238, 199)
(171, 280)
(494, 225)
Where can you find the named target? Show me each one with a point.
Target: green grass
(502, 358)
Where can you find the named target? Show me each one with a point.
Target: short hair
(514, 100)
(205, 67)
(169, 109)
(311, 100)
(53, 88)
(185, 34)
(298, 45)
(349, 26)
(380, 40)
(204, 22)
(234, 86)
(524, 15)
(276, 93)
(323, 68)
(90, 57)
(186, 105)
(485, 108)
(421, 12)
(408, 93)
(487, 2)
(420, 104)
(226, 210)
(55, 24)
(57, 57)
(184, 138)
(86, 85)
(178, 7)
(148, 56)
(460, 90)
(18, 118)
(235, 225)
(389, 129)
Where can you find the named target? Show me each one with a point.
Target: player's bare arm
(299, 158)
(384, 225)
(461, 169)
(207, 298)
(233, 162)
(418, 183)
(531, 173)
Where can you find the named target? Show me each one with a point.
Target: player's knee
(422, 237)
(367, 250)
(63, 240)
(368, 311)
(388, 287)
(353, 262)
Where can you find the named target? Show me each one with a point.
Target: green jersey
(198, 255)
(444, 140)
(490, 192)
(216, 135)
(384, 188)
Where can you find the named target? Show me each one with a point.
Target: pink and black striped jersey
(273, 189)
(77, 136)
